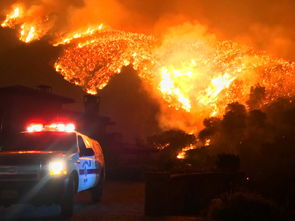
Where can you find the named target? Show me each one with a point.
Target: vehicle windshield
(46, 141)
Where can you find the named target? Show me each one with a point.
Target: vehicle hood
(27, 157)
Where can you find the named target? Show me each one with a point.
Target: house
(20, 105)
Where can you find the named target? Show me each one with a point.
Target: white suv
(50, 164)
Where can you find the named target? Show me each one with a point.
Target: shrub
(242, 207)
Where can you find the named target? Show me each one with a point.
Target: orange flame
(182, 154)
(99, 53)
(28, 33)
(187, 68)
(168, 86)
(79, 34)
(192, 72)
(29, 29)
(11, 18)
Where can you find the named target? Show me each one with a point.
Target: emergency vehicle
(49, 164)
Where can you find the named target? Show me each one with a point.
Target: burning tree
(172, 144)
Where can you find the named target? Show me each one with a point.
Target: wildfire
(11, 17)
(187, 68)
(92, 59)
(217, 85)
(170, 86)
(29, 29)
(91, 92)
(28, 33)
(207, 142)
(196, 74)
(97, 53)
(79, 34)
(182, 154)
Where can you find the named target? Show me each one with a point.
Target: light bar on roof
(35, 128)
(70, 127)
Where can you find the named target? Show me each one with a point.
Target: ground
(121, 201)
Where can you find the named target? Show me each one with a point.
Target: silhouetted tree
(212, 126)
(257, 96)
(264, 140)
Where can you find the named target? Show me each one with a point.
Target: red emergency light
(60, 127)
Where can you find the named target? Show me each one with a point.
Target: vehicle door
(87, 172)
(99, 160)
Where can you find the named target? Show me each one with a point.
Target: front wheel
(67, 202)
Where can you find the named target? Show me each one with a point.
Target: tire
(67, 201)
(96, 192)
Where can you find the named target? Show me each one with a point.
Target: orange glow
(29, 27)
(207, 142)
(171, 85)
(163, 146)
(11, 18)
(53, 173)
(79, 34)
(28, 33)
(30, 152)
(182, 154)
(218, 84)
(191, 73)
(102, 54)
(92, 92)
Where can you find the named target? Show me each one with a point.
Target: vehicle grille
(18, 162)
(14, 173)
(18, 176)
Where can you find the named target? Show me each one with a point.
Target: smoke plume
(196, 53)
(265, 25)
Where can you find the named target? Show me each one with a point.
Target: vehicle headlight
(57, 167)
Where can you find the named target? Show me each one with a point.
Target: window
(82, 145)
(47, 141)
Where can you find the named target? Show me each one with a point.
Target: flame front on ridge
(187, 69)
(12, 16)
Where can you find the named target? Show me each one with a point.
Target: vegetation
(243, 207)
(259, 142)
(170, 143)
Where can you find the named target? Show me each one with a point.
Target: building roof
(37, 93)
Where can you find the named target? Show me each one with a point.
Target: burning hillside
(190, 70)
(192, 73)
(93, 58)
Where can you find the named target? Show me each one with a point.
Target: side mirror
(88, 152)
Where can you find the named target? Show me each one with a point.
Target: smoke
(264, 25)
(191, 73)
(48, 17)
(130, 106)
